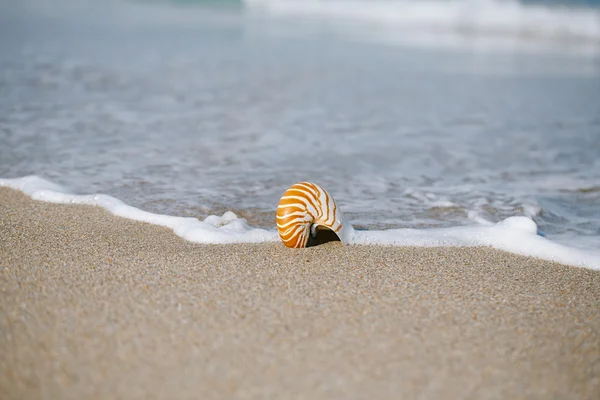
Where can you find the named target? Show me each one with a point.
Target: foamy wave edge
(488, 17)
(515, 234)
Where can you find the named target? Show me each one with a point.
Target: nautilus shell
(304, 210)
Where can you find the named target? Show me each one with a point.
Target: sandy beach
(99, 307)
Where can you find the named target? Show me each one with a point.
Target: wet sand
(99, 307)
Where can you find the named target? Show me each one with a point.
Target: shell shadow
(324, 235)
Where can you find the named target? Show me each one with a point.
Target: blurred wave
(212, 3)
(548, 21)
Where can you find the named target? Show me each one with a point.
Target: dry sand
(95, 306)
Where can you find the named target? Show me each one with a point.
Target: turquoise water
(183, 109)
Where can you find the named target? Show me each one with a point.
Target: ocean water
(429, 121)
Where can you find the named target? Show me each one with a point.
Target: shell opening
(320, 235)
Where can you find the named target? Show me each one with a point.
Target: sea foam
(515, 234)
(476, 24)
(490, 17)
(214, 229)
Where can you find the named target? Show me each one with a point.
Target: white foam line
(507, 17)
(213, 230)
(515, 234)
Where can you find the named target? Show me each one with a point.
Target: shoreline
(516, 234)
(97, 306)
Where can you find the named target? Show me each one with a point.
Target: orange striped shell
(302, 209)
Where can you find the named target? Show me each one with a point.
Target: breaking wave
(494, 18)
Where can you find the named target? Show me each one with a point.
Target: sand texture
(98, 307)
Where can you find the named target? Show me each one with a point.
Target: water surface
(192, 110)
